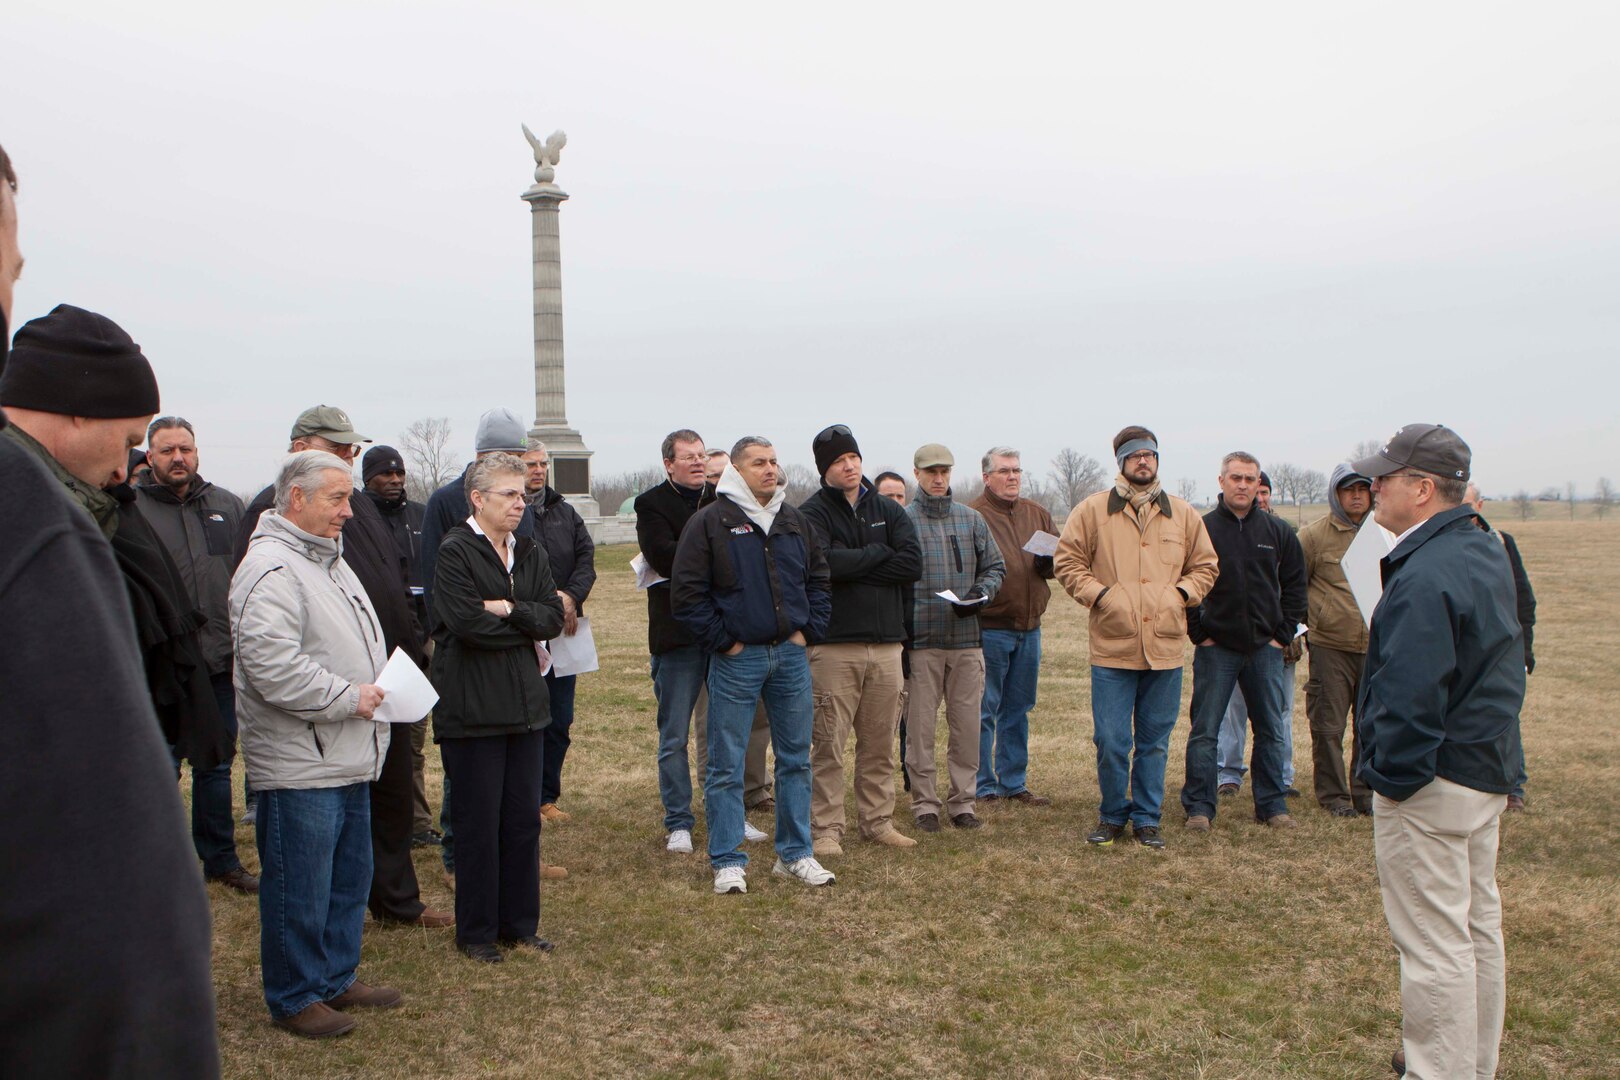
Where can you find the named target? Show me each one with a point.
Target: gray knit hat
(501, 429)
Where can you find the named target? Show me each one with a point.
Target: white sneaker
(680, 842)
(730, 879)
(753, 835)
(806, 870)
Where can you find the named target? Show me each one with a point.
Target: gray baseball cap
(328, 422)
(1430, 448)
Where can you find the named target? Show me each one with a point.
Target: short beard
(169, 482)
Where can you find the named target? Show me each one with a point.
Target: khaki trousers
(756, 777)
(956, 677)
(1330, 696)
(1437, 870)
(856, 685)
(421, 818)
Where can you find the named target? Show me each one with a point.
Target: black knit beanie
(831, 444)
(77, 363)
(380, 459)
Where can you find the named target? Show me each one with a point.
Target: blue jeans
(314, 877)
(1132, 715)
(1012, 664)
(1216, 670)
(677, 677)
(561, 692)
(1235, 734)
(780, 674)
(213, 825)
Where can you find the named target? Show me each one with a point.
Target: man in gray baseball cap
(326, 427)
(1438, 726)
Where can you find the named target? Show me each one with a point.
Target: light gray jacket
(304, 636)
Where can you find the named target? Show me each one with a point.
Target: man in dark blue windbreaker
(1438, 725)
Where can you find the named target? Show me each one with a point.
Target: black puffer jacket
(872, 555)
(484, 666)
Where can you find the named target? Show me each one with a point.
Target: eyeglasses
(342, 450)
(689, 459)
(1006, 472)
(1144, 455)
(503, 493)
(1408, 475)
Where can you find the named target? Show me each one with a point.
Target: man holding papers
(308, 649)
(1012, 627)
(947, 663)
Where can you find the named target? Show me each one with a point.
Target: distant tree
(1525, 505)
(966, 486)
(1313, 486)
(611, 491)
(1187, 488)
(1602, 497)
(1366, 448)
(1550, 494)
(1285, 479)
(426, 444)
(1073, 476)
(802, 482)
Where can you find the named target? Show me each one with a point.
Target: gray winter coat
(305, 635)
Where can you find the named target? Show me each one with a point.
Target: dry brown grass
(1014, 950)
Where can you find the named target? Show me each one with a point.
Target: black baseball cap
(1430, 448)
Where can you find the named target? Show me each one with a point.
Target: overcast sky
(1283, 227)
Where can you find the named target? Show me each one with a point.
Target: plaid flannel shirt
(958, 554)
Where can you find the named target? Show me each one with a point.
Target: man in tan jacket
(1338, 644)
(1138, 557)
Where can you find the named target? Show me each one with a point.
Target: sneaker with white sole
(753, 835)
(679, 842)
(730, 879)
(806, 870)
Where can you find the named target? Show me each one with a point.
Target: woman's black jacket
(484, 666)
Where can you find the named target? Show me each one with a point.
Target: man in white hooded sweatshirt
(750, 584)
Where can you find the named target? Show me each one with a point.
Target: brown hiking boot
(242, 881)
(434, 919)
(317, 1021)
(826, 845)
(551, 873)
(1029, 798)
(553, 816)
(1515, 803)
(894, 838)
(369, 997)
(1280, 821)
(1197, 823)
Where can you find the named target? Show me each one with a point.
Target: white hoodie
(733, 486)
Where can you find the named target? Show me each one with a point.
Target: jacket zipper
(316, 735)
(957, 550)
(362, 606)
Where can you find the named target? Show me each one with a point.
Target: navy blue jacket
(1261, 592)
(732, 582)
(1444, 679)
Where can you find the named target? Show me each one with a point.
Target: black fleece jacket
(661, 515)
(1260, 595)
(872, 555)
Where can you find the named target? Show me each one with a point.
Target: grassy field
(1013, 950)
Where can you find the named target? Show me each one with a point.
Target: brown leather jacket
(1024, 591)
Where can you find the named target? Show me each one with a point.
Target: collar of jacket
(317, 549)
(1116, 502)
(162, 493)
(1226, 511)
(102, 507)
(934, 506)
(1006, 506)
(544, 499)
(834, 493)
(1439, 523)
(523, 545)
(386, 505)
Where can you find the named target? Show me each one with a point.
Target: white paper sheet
(646, 576)
(1042, 543)
(1360, 564)
(574, 655)
(407, 694)
(950, 594)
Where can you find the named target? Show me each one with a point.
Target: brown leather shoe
(767, 803)
(551, 873)
(242, 881)
(1515, 803)
(368, 997)
(928, 822)
(1197, 823)
(1029, 798)
(434, 919)
(1280, 821)
(553, 816)
(966, 820)
(450, 880)
(317, 1021)
(1398, 1062)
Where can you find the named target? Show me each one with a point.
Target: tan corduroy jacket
(1335, 620)
(1141, 622)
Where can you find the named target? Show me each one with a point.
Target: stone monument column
(570, 471)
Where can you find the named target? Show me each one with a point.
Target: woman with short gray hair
(494, 602)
